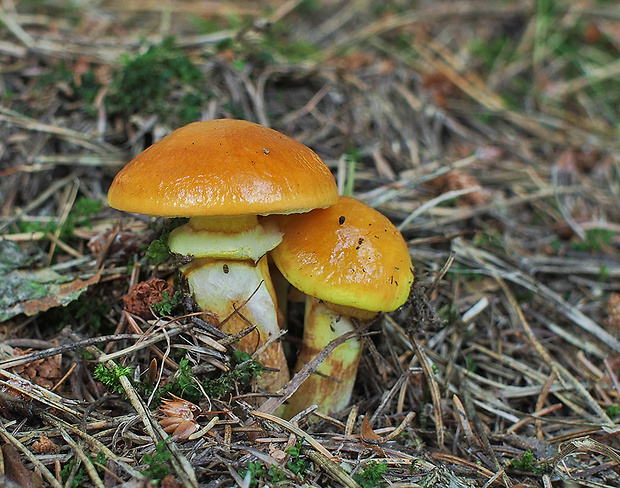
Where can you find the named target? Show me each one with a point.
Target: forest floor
(487, 131)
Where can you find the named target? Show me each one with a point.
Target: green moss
(186, 385)
(167, 304)
(80, 215)
(245, 370)
(162, 80)
(183, 384)
(158, 251)
(595, 240)
(613, 411)
(111, 377)
(84, 87)
(158, 463)
(528, 463)
(372, 475)
(90, 308)
(81, 476)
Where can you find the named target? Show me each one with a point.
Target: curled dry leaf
(591, 33)
(151, 375)
(278, 454)
(142, 296)
(178, 417)
(369, 436)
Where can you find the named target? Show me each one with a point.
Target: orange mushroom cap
(348, 254)
(223, 167)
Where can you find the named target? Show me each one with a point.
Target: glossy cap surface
(223, 167)
(348, 254)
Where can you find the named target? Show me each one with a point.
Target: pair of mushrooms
(348, 259)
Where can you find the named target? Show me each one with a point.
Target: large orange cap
(223, 167)
(348, 254)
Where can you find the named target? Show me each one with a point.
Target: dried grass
(503, 177)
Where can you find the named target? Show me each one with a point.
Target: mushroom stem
(229, 279)
(331, 386)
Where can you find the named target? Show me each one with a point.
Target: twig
(496, 267)
(333, 470)
(77, 450)
(49, 477)
(433, 387)
(295, 430)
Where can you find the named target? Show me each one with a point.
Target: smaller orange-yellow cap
(348, 254)
(223, 167)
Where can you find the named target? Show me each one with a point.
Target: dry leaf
(170, 482)
(440, 87)
(32, 292)
(368, 435)
(14, 467)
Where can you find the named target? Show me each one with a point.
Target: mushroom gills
(241, 237)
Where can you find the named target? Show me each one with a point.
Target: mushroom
(351, 263)
(222, 174)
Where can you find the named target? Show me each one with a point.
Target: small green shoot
(183, 384)
(81, 476)
(66, 471)
(529, 464)
(111, 377)
(372, 475)
(471, 364)
(352, 159)
(613, 411)
(158, 463)
(296, 464)
(158, 251)
(595, 240)
(167, 304)
(258, 472)
(276, 475)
